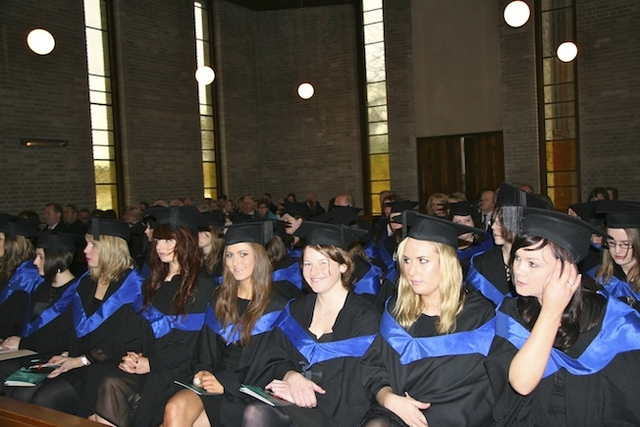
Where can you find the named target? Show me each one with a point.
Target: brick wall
(43, 97)
(609, 95)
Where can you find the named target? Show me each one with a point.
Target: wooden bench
(15, 413)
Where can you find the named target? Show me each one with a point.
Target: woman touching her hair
(563, 355)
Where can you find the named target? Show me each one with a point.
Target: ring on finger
(570, 282)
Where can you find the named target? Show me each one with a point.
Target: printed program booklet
(194, 388)
(264, 395)
(28, 376)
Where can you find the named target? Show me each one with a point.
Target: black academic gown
(607, 397)
(457, 386)
(287, 277)
(170, 353)
(107, 341)
(15, 295)
(230, 363)
(345, 400)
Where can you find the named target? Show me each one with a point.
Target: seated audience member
(619, 273)
(240, 315)
(294, 214)
(105, 322)
(563, 355)
(314, 205)
(437, 205)
(486, 206)
(489, 271)
(471, 243)
(174, 299)
(388, 243)
(18, 276)
(598, 193)
(211, 242)
(613, 193)
(313, 355)
(427, 365)
(262, 210)
(71, 222)
(286, 276)
(52, 216)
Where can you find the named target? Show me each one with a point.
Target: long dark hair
(56, 261)
(187, 255)
(581, 314)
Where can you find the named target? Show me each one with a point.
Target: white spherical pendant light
(516, 14)
(305, 90)
(205, 75)
(41, 41)
(567, 51)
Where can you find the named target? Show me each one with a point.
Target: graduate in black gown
(174, 300)
(240, 315)
(211, 242)
(106, 325)
(563, 355)
(619, 274)
(469, 244)
(313, 356)
(489, 271)
(427, 365)
(18, 276)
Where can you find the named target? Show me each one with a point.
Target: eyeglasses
(611, 244)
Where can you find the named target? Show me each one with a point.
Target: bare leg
(184, 409)
(99, 419)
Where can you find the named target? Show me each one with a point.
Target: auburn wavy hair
(15, 253)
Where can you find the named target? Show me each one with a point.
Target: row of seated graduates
(345, 217)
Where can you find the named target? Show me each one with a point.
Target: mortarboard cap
(511, 201)
(346, 215)
(178, 216)
(108, 227)
(56, 242)
(432, 229)
(620, 214)
(249, 232)
(318, 233)
(402, 205)
(460, 209)
(212, 219)
(299, 210)
(14, 226)
(588, 211)
(573, 234)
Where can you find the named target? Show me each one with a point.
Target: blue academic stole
(290, 274)
(620, 332)
(370, 282)
(231, 333)
(472, 250)
(616, 288)
(294, 252)
(128, 293)
(162, 323)
(411, 349)
(371, 250)
(385, 256)
(24, 279)
(486, 288)
(316, 352)
(60, 306)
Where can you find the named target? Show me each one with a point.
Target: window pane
(378, 186)
(206, 123)
(376, 94)
(379, 166)
(103, 152)
(99, 83)
(379, 144)
(557, 71)
(211, 193)
(102, 137)
(562, 197)
(206, 110)
(92, 14)
(99, 97)
(105, 171)
(374, 33)
(559, 93)
(560, 128)
(377, 114)
(97, 60)
(372, 16)
(106, 197)
(561, 155)
(209, 174)
(374, 55)
(562, 179)
(371, 4)
(101, 117)
(378, 128)
(560, 109)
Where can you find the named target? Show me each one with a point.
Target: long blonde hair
(605, 272)
(114, 258)
(15, 252)
(409, 305)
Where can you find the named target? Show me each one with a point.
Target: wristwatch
(84, 360)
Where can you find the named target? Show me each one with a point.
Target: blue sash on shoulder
(231, 333)
(486, 288)
(616, 288)
(411, 349)
(290, 274)
(24, 279)
(294, 252)
(60, 306)
(162, 323)
(128, 293)
(620, 333)
(316, 352)
(371, 250)
(472, 250)
(370, 282)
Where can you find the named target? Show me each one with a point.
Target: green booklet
(264, 395)
(28, 376)
(194, 388)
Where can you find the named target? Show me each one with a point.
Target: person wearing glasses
(619, 273)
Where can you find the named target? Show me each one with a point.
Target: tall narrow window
(101, 103)
(558, 104)
(376, 90)
(205, 101)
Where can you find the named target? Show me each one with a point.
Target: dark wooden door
(484, 160)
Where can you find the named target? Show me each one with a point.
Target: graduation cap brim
(14, 226)
(297, 209)
(54, 242)
(340, 215)
(212, 219)
(260, 232)
(108, 227)
(461, 209)
(508, 195)
(318, 233)
(402, 205)
(620, 214)
(588, 212)
(432, 229)
(572, 234)
(178, 216)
